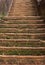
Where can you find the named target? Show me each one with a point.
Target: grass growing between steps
(21, 44)
(23, 52)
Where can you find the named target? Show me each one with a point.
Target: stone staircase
(22, 35)
(22, 40)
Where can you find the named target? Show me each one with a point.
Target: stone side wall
(4, 6)
(42, 8)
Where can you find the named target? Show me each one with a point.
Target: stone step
(21, 40)
(23, 57)
(31, 2)
(22, 50)
(32, 12)
(22, 25)
(23, 60)
(24, 6)
(22, 30)
(28, 9)
(12, 10)
(22, 36)
(22, 18)
(21, 22)
(22, 43)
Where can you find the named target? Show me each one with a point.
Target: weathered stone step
(22, 18)
(22, 36)
(21, 40)
(31, 2)
(22, 25)
(25, 60)
(22, 43)
(22, 50)
(24, 6)
(21, 21)
(30, 12)
(22, 57)
(11, 12)
(22, 30)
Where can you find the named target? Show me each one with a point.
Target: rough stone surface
(23, 8)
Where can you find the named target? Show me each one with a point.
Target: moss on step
(23, 52)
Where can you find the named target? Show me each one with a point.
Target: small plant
(7, 37)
